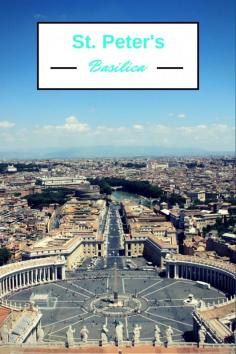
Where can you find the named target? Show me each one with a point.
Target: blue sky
(175, 119)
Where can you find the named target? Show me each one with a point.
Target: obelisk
(115, 285)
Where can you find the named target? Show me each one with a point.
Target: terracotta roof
(4, 313)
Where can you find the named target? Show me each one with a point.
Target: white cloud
(178, 115)
(182, 115)
(73, 132)
(108, 129)
(201, 126)
(185, 130)
(100, 129)
(138, 127)
(4, 124)
(71, 125)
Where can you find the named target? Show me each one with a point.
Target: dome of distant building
(11, 168)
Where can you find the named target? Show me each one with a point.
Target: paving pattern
(68, 304)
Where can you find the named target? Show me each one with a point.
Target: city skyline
(134, 256)
(117, 207)
(199, 121)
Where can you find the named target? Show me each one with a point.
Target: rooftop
(28, 264)
(215, 263)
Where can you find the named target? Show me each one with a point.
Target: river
(119, 195)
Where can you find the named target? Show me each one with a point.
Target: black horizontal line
(63, 67)
(170, 67)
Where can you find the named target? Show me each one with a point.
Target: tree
(144, 188)
(48, 196)
(4, 255)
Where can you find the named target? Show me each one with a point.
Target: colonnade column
(224, 282)
(211, 276)
(24, 279)
(174, 271)
(229, 288)
(216, 280)
(53, 274)
(232, 285)
(167, 271)
(40, 275)
(199, 273)
(17, 280)
(177, 272)
(20, 278)
(63, 272)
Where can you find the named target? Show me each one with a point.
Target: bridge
(115, 188)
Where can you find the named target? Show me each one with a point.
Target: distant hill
(108, 152)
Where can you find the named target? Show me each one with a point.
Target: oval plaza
(99, 289)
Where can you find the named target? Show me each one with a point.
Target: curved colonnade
(219, 274)
(21, 275)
